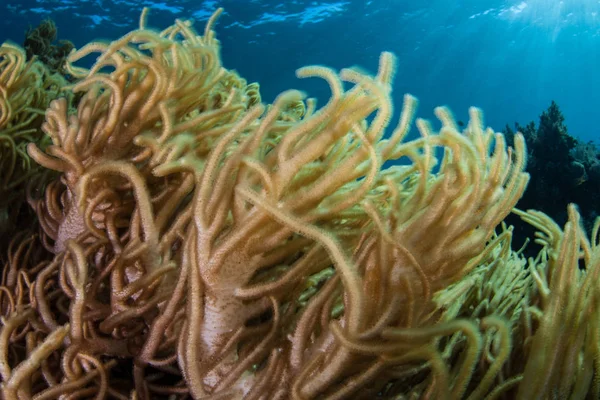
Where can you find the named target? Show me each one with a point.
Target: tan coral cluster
(205, 245)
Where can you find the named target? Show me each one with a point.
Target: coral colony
(166, 235)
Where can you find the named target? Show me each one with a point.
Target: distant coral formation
(40, 42)
(563, 170)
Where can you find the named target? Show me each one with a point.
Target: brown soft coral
(216, 247)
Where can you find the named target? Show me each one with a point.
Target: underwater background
(510, 58)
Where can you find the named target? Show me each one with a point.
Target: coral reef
(563, 170)
(40, 43)
(196, 243)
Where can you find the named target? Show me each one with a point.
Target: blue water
(511, 58)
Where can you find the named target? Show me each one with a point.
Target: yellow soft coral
(26, 89)
(231, 249)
